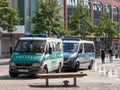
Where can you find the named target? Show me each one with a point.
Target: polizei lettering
(24, 57)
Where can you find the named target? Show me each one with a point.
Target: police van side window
(61, 47)
(92, 48)
(54, 49)
(47, 47)
(57, 46)
(81, 48)
(50, 47)
(88, 47)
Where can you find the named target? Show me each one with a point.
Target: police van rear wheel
(75, 69)
(13, 74)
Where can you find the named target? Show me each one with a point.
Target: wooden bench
(61, 75)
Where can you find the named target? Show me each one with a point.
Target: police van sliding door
(50, 57)
(82, 55)
(88, 51)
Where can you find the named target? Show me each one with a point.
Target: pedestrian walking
(110, 52)
(103, 56)
(116, 53)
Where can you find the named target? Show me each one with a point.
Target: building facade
(96, 8)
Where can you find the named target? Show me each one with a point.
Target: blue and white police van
(78, 53)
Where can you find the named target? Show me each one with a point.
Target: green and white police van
(36, 54)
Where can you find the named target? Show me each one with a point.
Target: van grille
(65, 59)
(19, 64)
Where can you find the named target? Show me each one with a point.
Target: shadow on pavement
(68, 71)
(52, 86)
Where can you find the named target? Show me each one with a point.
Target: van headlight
(37, 64)
(70, 59)
(12, 64)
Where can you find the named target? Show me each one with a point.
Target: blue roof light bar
(36, 35)
(71, 39)
(26, 35)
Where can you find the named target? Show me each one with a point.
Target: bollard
(95, 67)
(103, 71)
(115, 74)
(99, 69)
(65, 82)
(110, 73)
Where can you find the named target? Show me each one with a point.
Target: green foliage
(8, 17)
(80, 23)
(107, 26)
(48, 19)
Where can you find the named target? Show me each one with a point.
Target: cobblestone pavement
(82, 86)
(93, 81)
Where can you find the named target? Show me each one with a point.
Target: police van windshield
(70, 47)
(30, 46)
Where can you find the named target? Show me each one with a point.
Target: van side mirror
(80, 51)
(45, 52)
(11, 51)
(50, 50)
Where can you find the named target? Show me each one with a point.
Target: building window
(21, 7)
(86, 3)
(72, 6)
(59, 2)
(71, 2)
(115, 14)
(97, 7)
(107, 9)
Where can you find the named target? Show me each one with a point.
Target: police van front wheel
(13, 74)
(45, 70)
(75, 69)
(91, 65)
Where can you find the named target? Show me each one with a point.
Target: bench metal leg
(47, 81)
(74, 81)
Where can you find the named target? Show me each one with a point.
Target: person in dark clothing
(103, 56)
(110, 51)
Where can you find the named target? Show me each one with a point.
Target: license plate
(23, 70)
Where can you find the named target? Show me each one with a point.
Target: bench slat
(60, 75)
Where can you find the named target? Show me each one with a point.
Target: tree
(48, 19)
(80, 23)
(106, 27)
(8, 19)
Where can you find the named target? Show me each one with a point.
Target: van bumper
(69, 65)
(25, 70)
